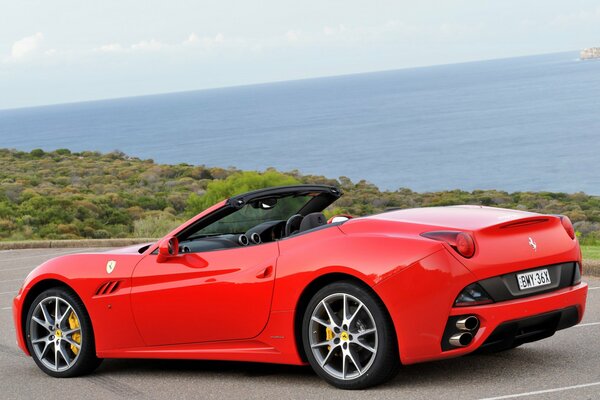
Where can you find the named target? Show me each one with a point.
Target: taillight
(462, 242)
(566, 223)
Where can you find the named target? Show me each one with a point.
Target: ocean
(520, 124)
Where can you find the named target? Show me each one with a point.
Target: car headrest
(311, 221)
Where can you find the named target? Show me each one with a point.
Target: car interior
(265, 219)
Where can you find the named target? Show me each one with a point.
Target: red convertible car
(264, 277)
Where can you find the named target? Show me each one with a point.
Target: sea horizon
(514, 124)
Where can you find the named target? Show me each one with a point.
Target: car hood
(134, 249)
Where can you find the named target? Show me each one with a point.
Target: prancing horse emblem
(110, 266)
(532, 244)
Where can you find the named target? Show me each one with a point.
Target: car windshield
(253, 214)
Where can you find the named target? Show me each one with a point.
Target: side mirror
(167, 248)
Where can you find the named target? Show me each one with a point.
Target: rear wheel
(348, 337)
(59, 334)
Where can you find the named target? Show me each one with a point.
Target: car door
(207, 296)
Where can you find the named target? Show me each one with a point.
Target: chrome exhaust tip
(461, 339)
(469, 323)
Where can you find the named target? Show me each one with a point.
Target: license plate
(532, 279)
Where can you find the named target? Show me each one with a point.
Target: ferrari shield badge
(110, 266)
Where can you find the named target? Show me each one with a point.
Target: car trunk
(505, 240)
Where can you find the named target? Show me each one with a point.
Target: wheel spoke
(47, 318)
(42, 323)
(46, 347)
(351, 357)
(321, 344)
(355, 314)
(364, 346)
(63, 355)
(55, 357)
(326, 359)
(71, 342)
(365, 332)
(70, 332)
(330, 313)
(40, 340)
(62, 317)
(320, 321)
(56, 309)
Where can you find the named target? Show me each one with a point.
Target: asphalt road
(565, 366)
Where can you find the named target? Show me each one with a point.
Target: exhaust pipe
(461, 339)
(469, 323)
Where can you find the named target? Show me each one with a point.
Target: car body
(422, 274)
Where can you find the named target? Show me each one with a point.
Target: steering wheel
(290, 222)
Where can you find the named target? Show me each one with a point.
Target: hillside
(66, 195)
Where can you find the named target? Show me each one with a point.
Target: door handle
(265, 273)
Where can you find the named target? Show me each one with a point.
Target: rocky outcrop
(590, 53)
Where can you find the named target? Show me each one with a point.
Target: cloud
(110, 48)
(26, 47)
(334, 30)
(577, 18)
(205, 41)
(148, 45)
(292, 35)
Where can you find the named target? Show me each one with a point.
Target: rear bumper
(509, 323)
(514, 333)
(420, 302)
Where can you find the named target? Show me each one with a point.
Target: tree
(239, 182)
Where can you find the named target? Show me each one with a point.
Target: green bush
(60, 195)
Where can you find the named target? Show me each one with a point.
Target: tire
(355, 353)
(63, 348)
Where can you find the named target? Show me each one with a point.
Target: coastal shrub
(155, 226)
(63, 194)
(239, 182)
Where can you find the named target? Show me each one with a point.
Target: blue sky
(73, 50)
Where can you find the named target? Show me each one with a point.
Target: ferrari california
(265, 277)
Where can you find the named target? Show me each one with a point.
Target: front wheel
(348, 337)
(59, 334)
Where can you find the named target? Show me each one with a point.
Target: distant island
(590, 53)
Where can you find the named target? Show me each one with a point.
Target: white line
(7, 308)
(12, 280)
(512, 396)
(17, 269)
(588, 324)
(60, 253)
(12, 292)
(594, 288)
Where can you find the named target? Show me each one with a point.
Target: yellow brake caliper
(74, 324)
(328, 336)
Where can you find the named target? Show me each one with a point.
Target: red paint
(241, 303)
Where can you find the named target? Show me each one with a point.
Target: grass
(591, 252)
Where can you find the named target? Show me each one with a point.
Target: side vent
(107, 288)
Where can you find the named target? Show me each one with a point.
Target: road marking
(12, 280)
(512, 396)
(594, 288)
(11, 292)
(7, 308)
(41, 255)
(589, 324)
(17, 269)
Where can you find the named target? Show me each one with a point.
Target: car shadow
(462, 370)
